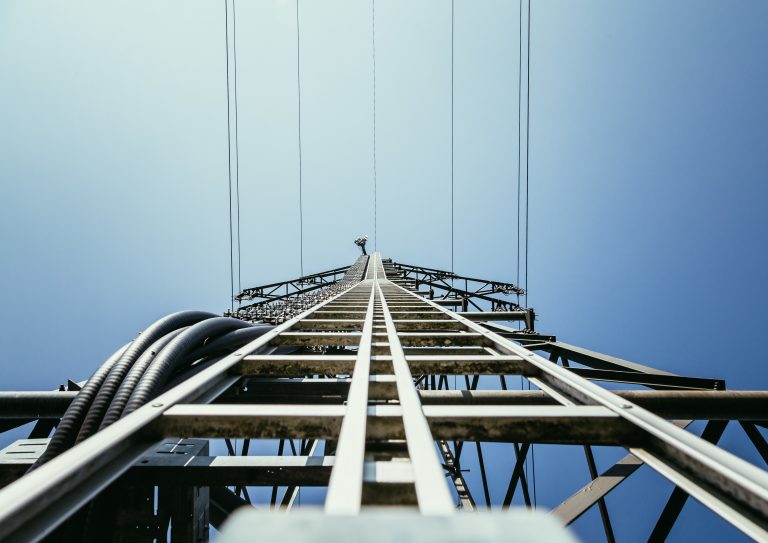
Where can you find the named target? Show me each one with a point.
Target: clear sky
(648, 160)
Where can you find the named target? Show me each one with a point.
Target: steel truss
(278, 302)
(357, 386)
(474, 294)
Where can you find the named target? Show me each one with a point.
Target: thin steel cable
(527, 198)
(298, 86)
(519, 130)
(229, 162)
(527, 147)
(452, 147)
(375, 195)
(237, 144)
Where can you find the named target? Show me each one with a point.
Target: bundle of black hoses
(169, 350)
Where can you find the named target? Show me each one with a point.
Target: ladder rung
(394, 471)
(465, 364)
(318, 338)
(541, 424)
(329, 324)
(428, 324)
(296, 365)
(417, 339)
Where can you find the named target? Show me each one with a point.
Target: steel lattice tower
(354, 370)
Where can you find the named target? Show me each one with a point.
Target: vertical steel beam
(345, 489)
(756, 438)
(712, 432)
(606, 519)
(466, 500)
(431, 489)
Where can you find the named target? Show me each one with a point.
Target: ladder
(389, 440)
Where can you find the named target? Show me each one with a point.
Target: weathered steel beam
(345, 491)
(597, 360)
(712, 432)
(184, 470)
(429, 483)
(649, 379)
(494, 315)
(672, 404)
(453, 468)
(746, 405)
(253, 421)
(595, 490)
(41, 404)
(546, 424)
(446, 361)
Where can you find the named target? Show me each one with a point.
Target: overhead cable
(375, 195)
(527, 146)
(452, 146)
(298, 89)
(229, 161)
(237, 144)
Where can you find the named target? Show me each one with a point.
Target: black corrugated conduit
(230, 341)
(125, 390)
(170, 351)
(214, 351)
(70, 423)
(174, 355)
(117, 373)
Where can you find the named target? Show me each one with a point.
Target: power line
(519, 131)
(527, 146)
(527, 198)
(298, 85)
(375, 202)
(229, 162)
(237, 144)
(452, 148)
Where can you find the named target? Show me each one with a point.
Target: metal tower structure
(379, 378)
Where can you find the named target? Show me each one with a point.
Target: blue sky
(648, 156)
